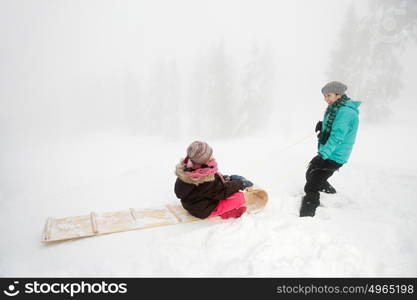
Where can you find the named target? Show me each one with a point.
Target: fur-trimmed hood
(179, 172)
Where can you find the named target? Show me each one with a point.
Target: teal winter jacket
(342, 137)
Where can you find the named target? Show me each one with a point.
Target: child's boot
(328, 189)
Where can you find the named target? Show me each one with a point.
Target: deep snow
(83, 82)
(367, 229)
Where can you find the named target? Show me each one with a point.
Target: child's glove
(318, 126)
(247, 183)
(236, 177)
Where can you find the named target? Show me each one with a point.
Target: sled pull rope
(282, 150)
(93, 222)
(295, 143)
(132, 212)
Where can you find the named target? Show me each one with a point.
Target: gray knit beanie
(335, 87)
(199, 152)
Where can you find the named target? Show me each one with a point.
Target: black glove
(246, 183)
(236, 177)
(318, 126)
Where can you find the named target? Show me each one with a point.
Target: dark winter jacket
(201, 197)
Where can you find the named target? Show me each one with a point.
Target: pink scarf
(200, 172)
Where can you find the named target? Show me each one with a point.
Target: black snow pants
(318, 172)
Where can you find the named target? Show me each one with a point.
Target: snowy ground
(367, 229)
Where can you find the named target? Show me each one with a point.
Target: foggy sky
(71, 67)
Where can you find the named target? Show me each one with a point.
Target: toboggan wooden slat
(60, 229)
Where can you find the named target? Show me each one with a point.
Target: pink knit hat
(199, 152)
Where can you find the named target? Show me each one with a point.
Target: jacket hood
(179, 171)
(353, 105)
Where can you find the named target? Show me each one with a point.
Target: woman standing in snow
(203, 191)
(337, 133)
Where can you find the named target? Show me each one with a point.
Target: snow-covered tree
(366, 55)
(161, 111)
(213, 95)
(256, 91)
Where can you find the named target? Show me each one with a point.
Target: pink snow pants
(235, 200)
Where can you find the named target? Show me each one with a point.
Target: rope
(295, 143)
(292, 171)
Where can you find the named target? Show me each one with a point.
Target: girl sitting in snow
(203, 191)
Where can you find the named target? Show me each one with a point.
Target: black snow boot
(309, 204)
(328, 189)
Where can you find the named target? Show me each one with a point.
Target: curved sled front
(256, 199)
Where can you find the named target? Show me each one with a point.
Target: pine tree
(162, 110)
(256, 86)
(366, 56)
(214, 95)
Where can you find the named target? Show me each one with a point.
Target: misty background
(100, 98)
(195, 69)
